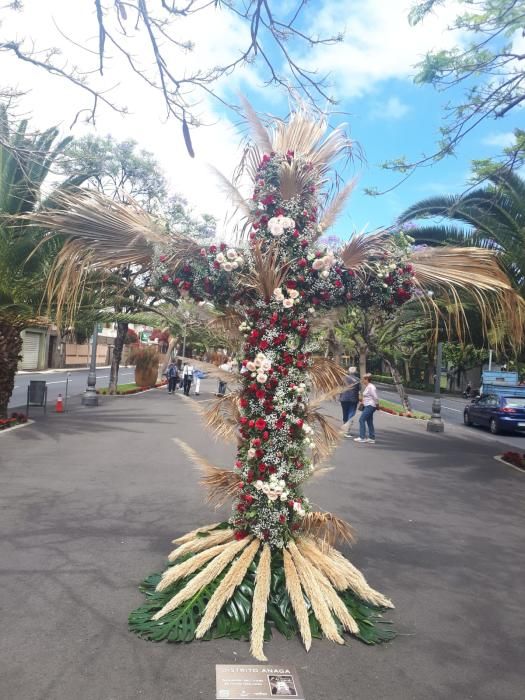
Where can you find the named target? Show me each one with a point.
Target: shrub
(131, 337)
(514, 458)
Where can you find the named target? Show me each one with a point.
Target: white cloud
(393, 108)
(378, 45)
(501, 140)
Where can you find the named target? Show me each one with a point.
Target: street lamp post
(186, 315)
(90, 397)
(435, 424)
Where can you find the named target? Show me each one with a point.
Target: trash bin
(36, 394)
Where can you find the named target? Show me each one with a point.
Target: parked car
(497, 412)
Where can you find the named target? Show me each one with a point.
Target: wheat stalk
(175, 573)
(200, 543)
(202, 579)
(260, 603)
(226, 588)
(293, 586)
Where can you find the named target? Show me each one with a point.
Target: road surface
(56, 383)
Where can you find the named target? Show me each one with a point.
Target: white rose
(284, 496)
(266, 365)
(251, 453)
(282, 482)
(287, 222)
(231, 254)
(220, 258)
(239, 261)
(234, 265)
(311, 310)
(278, 292)
(250, 366)
(293, 293)
(325, 274)
(287, 303)
(226, 266)
(275, 226)
(296, 505)
(258, 485)
(318, 264)
(261, 378)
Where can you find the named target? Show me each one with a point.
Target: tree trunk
(122, 331)
(406, 365)
(167, 357)
(363, 353)
(399, 386)
(10, 353)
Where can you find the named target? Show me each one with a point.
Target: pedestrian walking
(172, 375)
(349, 400)
(187, 377)
(197, 376)
(225, 367)
(370, 404)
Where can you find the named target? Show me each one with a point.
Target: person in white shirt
(187, 377)
(370, 402)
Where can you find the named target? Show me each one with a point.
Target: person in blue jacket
(197, 376)
(349, 399)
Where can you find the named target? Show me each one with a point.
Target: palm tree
(25, 163)
(491, 217)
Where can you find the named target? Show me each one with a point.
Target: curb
(507, 464)
(19, 425)
(134, 393)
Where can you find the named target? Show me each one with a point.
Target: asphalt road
(452, 415)
(56, 383)
(90, 501)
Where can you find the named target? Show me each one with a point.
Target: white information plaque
(243, 682)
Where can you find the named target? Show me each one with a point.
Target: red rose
(238, 463)
(216, 265)
(262, 467)
(251, 423)
(304, 243)
(165, 278)
(223, 246)
(213, 249)
(263, 345)
(338, 284)
(186, 285)
(243, 403)
(299, 422)
(162, 258)
(259, 454)
(282, 519)
(302, 262)
(266, 435)
(260, 424)
(248, 498)
(256, 442)
(240, 534)
(295, 234)
(260, 393)
(272, 470)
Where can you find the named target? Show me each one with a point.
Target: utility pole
(435, 424)
(90, 397)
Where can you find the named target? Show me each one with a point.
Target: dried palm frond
(362, 247)
(221, 484)
(204, 577)
(267, 273)
(260, 133)
(200, 543)
(293, 586)
(326, 375)
(226, 588)
(263, 579)
(326, 435)
(335, 206)
(327, 527)
(309, 583)
(450, 272)
(227, 324)
(214, 371)
(223, 417)
(229, 189)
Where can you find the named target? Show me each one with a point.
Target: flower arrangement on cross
(274, 562)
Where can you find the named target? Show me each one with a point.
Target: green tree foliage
(26, 160)
(492, 216)
(488, 65)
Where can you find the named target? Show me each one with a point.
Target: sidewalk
(91, 500)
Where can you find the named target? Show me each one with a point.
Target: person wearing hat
(349, 399)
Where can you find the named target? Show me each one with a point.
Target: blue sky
(371, 70)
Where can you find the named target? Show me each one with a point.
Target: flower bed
(15, 419)
(517, 459)
(393, 410)
(133, 390)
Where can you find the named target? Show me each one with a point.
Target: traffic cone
(59, 406)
